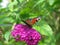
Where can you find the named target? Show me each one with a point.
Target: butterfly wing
(31, 22)
(27, 22)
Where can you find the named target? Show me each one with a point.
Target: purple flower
(25, 33)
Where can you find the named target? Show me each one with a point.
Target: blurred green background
(15, 10)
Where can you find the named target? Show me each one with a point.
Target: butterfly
(32, 21)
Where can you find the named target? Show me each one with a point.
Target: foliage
(16, 10)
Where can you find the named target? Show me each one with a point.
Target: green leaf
(57, 36)
(2, 17)
(0, 1)
(46, 30)
(9, 20)
(40, 1)
(11, 5)
(20, 43)
(51, 2)
(7, 35)
(1, 43)
(21, 1)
